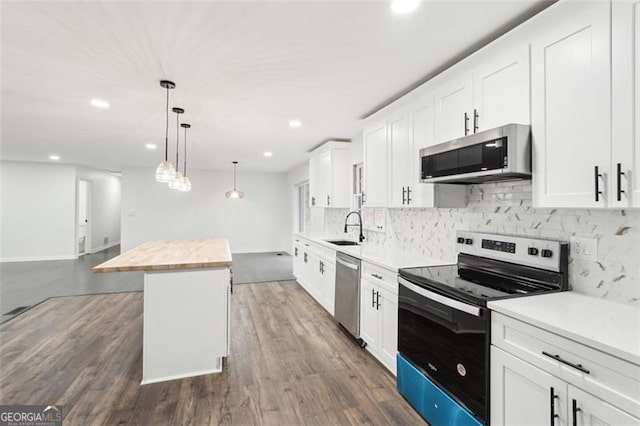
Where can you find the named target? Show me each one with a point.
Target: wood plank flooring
(289, 365)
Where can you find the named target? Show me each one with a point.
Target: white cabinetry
(625, 167)
(375, 165)
(571, 105)
(501, 88)
(536, 374)
(330, 175)
(453, 105)
(392, 161)
(379, 314)
(314, 266)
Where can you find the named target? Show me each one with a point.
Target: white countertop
(385, 257)
(610, 327)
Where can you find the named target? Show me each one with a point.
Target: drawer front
(328, 254)
(605, 376)
(380, 276)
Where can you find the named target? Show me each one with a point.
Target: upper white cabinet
(625, 86)
(571, 105)
(375, 165)
(501, 88)
(330, 175)
(392, 161)
(453, 107)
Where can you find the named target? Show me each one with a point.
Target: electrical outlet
(584, 248)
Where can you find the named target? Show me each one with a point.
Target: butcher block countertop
(160, 255)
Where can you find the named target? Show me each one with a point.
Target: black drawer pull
(597, 176)
(376, 276)
(552, 404)
(570, 364)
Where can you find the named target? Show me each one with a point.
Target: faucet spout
(361, 237)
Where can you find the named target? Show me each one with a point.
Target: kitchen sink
(343, 242)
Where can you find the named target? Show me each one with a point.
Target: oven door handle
(452, 303)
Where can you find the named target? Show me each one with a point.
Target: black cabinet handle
(475, 120)
(376, 276)
(597, 176)
(295, 251)
(403, 195)
(373, 298)
(578, 367)
(377, 300)
(466, 124)
(575, 409)
(313, 201)
(305, 258)
(619, 175)
(552, 404)
(363, 199)
(408, 195)
(328, 200)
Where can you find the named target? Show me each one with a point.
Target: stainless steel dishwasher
(347, 303)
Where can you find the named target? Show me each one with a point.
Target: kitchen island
(186, 305)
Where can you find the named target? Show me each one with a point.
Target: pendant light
(178, 179)
(165, 172)
(186, 183)
(234, 194)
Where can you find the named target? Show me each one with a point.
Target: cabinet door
(421, 119)
(587, 410)
(297, 261)
(325, 177)
(625, 96)
(315, 182)
(521, 394)
(571, 105)
(369, 318)
(388, 337)
(453, 102)
(314, 277)
(399, 159)
(329, 286)
(375, 166)
(501, 89)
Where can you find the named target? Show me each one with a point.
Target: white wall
(295, 177)
(259, 222)
(38, 211)
(106, 193)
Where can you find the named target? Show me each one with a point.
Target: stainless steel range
(444, 326)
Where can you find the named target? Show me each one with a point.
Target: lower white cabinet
(379, 318)
(540, 378)
(314, 266)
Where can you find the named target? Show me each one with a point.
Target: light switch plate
(584, 248)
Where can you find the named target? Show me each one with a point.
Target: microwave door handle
(452, 303)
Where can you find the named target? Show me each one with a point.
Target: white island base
(186, 323)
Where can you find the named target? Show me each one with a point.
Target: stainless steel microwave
(503, 153)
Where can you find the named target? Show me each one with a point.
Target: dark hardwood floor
(289, 365)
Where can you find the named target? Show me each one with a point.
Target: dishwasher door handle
(347, 264)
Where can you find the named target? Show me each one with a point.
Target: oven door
(448, 340)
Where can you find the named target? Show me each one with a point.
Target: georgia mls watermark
(30, 415)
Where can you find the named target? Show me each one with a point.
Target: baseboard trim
(104, 247)
(182, 376)
(36, 258)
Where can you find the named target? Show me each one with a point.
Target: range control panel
(536, 252)
(499, 245)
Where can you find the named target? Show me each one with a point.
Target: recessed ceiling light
(54, 157)
(151, 146)
(295, 123)
(268, 154)
(99, 103)
(402, 7)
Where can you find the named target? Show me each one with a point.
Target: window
(358, 186)
(302, 206)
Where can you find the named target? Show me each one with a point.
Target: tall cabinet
(330, 175)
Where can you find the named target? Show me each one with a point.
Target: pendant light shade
(234, 194)
(178, 179)
(186, 183)
(165, 172)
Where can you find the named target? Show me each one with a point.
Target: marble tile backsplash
(506, 208)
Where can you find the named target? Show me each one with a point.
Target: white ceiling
(243, 69)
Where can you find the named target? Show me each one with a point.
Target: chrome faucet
(361, 237)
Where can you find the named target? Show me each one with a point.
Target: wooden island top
(162, 255)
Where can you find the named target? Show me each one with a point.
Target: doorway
(83, 215)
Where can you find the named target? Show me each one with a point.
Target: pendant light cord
(184, 170)
(177, 139)
(166, 132)
(234, 177)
